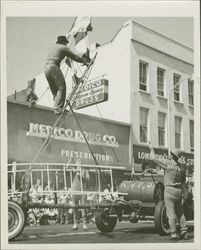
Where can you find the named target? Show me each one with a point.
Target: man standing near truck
(174, 177)
(81, 199)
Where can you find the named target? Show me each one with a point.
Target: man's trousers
(174, 208)
(79, 200)
(57, 85)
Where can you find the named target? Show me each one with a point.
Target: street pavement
(124, 232)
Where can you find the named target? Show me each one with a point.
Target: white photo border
(99, 8)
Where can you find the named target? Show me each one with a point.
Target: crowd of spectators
(48, 195)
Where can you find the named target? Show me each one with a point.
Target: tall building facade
(151, 87)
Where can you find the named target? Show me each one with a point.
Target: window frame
(190, 93)
(178, 134)
(144, 128)
(177, 90)
(162, 130)
(141, 83)
(161, 83)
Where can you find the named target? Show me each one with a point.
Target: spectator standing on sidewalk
(36, 196)
(80, 199)
(174, 177)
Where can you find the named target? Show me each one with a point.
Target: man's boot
(75, 226)
(85, 226)
(84, 217)
(174, 237)
(184, 235)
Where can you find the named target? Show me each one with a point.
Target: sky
(29, 38)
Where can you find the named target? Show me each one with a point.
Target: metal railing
(56, 178)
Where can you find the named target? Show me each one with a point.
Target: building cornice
(162, 52)
(161, 35)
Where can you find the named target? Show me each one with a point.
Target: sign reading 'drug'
(92, 93)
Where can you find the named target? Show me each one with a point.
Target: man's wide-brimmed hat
(62, 39)
(176, 153)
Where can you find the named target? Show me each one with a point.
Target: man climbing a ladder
(53, 73)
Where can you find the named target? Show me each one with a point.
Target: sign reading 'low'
(92, 93)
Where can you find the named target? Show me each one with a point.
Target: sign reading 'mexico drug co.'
(92, 93)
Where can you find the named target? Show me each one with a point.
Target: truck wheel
(103, 222)
(161, 219)
(16, 220)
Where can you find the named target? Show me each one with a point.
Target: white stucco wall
(113, 61)
(149, 100)
(42, 91)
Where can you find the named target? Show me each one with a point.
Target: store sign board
(28, 128)
(142, 154)
(92, 93)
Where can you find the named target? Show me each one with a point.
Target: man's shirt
(76, 185)
(58, 52)
(173, 173)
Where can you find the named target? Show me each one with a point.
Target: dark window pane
(143, 87)
(143, 75)
(160, 81)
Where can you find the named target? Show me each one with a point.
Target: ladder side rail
(50, 136)
(88, 145)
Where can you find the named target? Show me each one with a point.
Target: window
(190, 92)
(161, 128)
(143, 75)
(178, 121)
(191, 125)
(144, 124)
(160, 81)
(176, 81)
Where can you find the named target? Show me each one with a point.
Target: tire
(159, 192)
(103, 222)
(16, 220)
(160, 219)
(188, 206)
